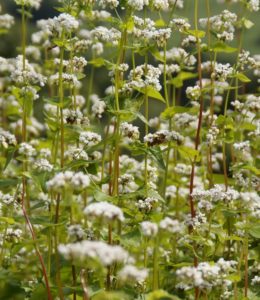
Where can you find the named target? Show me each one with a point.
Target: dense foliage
(98, 199)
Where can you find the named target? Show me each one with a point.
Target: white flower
(193, 92)
(68, 179)
(26, 149)
(147, 204)
(6, 21)
(43, 165)
(253, 5)
(26, 74)
(161, 36)
(223, 24)
(31, 3)
(137, 4)
(80, 181)
(109, 3)
(160, 4)
(76, 232)
(149, 229)
(129, 131)
(222, 71)
(163, 136)
(92, 250)
(181, 24)
(170, 225)
(104, 210)
(89, 138)
(98, 106)
(133, 274)
(7, 139)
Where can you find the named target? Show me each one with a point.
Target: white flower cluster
(185, 120)
(75, 117)
(76, 154)
(76, 232)
(147, 204)
(163, 136)
(6, 21)
(53, 27)
(206, 275)
(7, 139)
(130, 131)
(106, 35)
(126, 184)
(253, 5)
(180, 56)
(89, 139)
(68, 179)
(144, 75)
(137, 4)
(222, 71)
(212, 135)
(193, 92)
(182, 169)
(252, 103)
(30, 3)
(130, 273)
(223, 24)
(112, 4)
(98, 106)
(43, 165)
(26, 149)
(216, 194)
(26, 75)
(149, 229)
(67, 78)
(161, 36)
(245, 60)
(98, 251)
(170, 225)
(181, 24)
(104, 210)
(242, 146)
(252, 203)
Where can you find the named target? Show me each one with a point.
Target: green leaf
(254, 230)
(234, 277)
(169, 112)
(56, 102)
(222, 47)
(156, 54)
(97, 62)
(157, 154)
(247, 23)
(160, 23)
(10, 221)
(110, 296)
(160, 295)
(9, 157)
(190, 153)
(151, 92)
(182, 76)
(242, 77)
(196, 33)
(8, 182)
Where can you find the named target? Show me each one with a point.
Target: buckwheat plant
(129, 151)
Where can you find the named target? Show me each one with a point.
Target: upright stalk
(24, 182)
(197, 139)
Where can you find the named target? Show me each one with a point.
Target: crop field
(129, 150)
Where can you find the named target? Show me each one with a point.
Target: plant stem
(24, 181)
